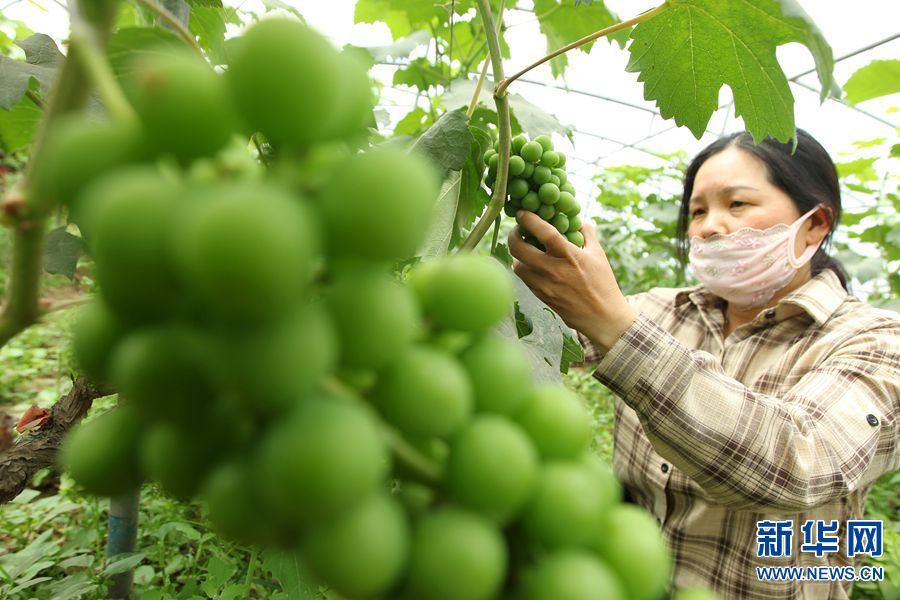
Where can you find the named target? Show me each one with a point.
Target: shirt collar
(819, 298)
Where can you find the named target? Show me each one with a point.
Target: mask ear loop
(792, 240)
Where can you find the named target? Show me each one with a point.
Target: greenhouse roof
(603, 104)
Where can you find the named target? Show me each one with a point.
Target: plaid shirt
(792, 417)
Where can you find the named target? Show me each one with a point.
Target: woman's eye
(738, 203)
(696, 212)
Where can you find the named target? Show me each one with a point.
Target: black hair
(808, 176)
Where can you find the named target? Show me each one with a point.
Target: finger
(521, 249)
(555, 242)
(590, 235)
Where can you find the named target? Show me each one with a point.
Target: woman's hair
(808, 176)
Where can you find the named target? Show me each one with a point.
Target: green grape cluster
(275, 364)
(538, 183)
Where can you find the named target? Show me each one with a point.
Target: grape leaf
(18, 125)
(208, 24)
(563, 23)
(687, 52)
(289, 571)
(472, 197)
(440, 228)
(61, 252)
(878, 78)
(446, 142)
(42, 58)
(422, 74)
(401, 48)
(414, 121)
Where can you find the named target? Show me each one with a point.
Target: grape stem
(502, 102)
(27, 215)
(487, 59)
(586, 39)
(100, 74)
(175, 24)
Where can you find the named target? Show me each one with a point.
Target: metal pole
(121, 537)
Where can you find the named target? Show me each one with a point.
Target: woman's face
(732, 191)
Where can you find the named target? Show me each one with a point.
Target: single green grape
(549, 158)
(516, 165)
(518, 188)
(273, 69)
(532, 152)
(573, 574)
(529, 170)
(531, 202)
(561, 222)
(541, 175)
(548, 193)
(562, 160)
(375, 316)
(545, 142)
(566, 202)
(574, 222)
(500, 374)
(576, 237)
(494, 160)
(456, 555)
(102, 454)
(362, 553)
(557, 421)
(560, 173)
(468, 292)
(555, 180)
(517, 143)
(321, 459)
(492, 468)
(546, 212)
(425, 393)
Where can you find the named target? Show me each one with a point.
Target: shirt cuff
(646, 358)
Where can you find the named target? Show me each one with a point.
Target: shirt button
(665, 467)
(873, 420)
(770, 314)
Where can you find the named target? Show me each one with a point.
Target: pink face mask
(748, 266)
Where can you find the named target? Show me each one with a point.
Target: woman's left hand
(577, 283)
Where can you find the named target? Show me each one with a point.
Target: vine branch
(38, 450)
(501, 100)
(586, 39)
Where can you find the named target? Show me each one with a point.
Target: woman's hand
(576, 283)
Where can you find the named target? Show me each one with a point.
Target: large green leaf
(208, 24)
(422, 74)
(61, 252)
(472, 197)
(689, 51)
(447, 142)
(440, 229)
(562, 22)
(878, 78)
(18, 125)
(402, 48)
(295, 580)
(42, 58)
(401, 16)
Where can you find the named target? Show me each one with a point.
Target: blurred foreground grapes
(274, 362)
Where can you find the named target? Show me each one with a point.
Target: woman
(766, 393)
